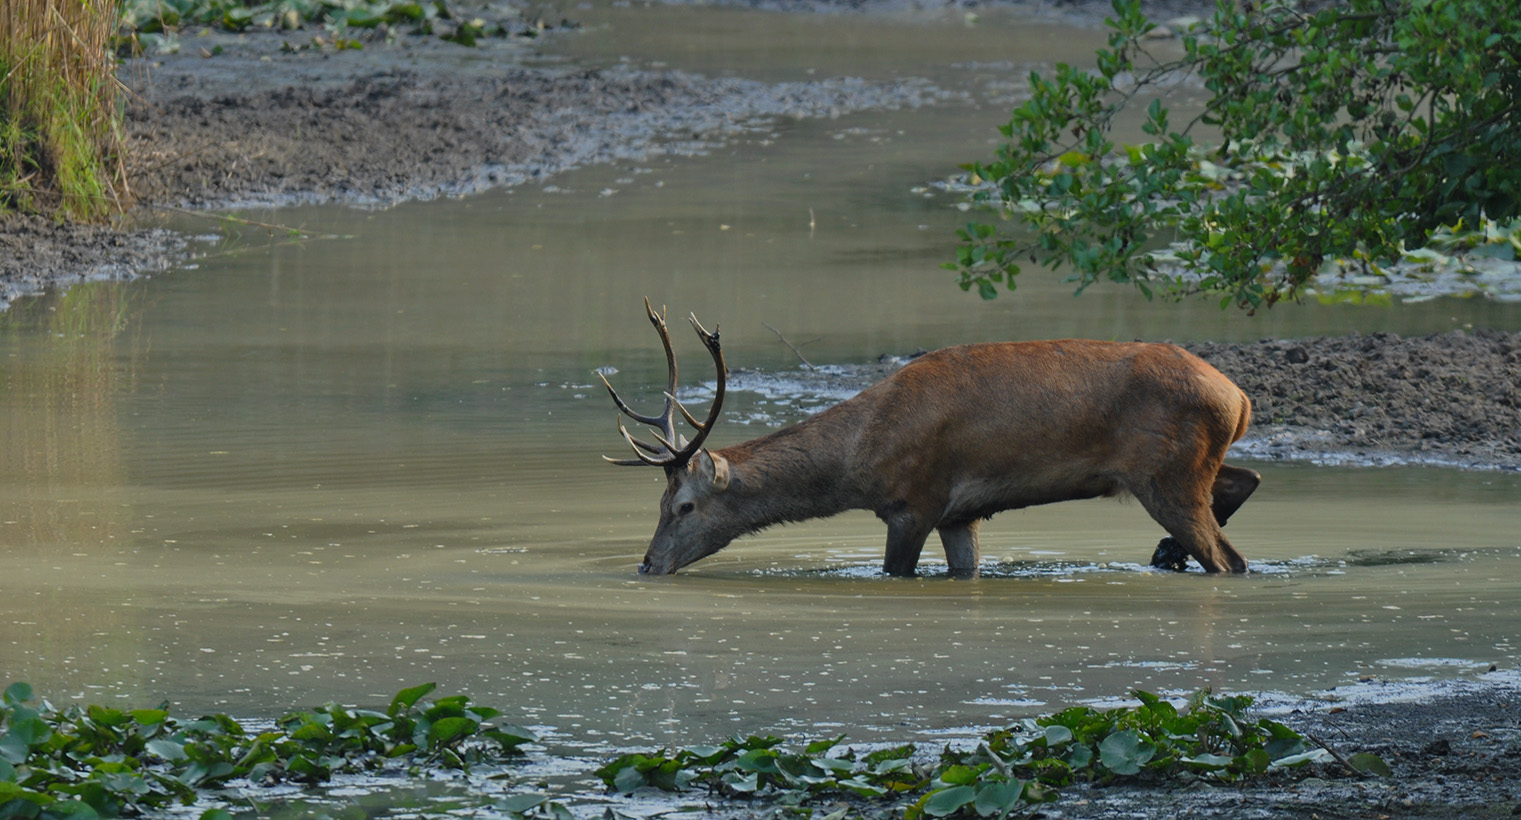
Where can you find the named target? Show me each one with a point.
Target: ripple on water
(1050, 569)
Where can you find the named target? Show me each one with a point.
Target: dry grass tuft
(61, 146)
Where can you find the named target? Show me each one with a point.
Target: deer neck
(794, 474)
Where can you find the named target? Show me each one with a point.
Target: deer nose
(644, 568)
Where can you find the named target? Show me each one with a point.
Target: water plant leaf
(960, 775)
(407, 698)
(949, 801)
(998, 798)
(1369, 763)
(18, 693)
(1209, 761)
(1125, 751)
(627, 779)
(819, 747)
(167, 749)
(1058, 735)
(519, 803)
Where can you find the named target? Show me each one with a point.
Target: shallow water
(322, 471)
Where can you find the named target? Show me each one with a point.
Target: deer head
(691, 525)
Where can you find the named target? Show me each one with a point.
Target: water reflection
(64, 512)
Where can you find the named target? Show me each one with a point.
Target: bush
(1346, 133)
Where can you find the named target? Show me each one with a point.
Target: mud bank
(1451, 399)
(245, 120)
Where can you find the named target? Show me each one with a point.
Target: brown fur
(965, 432)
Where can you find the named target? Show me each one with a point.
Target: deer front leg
(906, 532)
(962, 552)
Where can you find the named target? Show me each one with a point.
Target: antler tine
(667, 423)
(639, 452)
(710, 341)
(653, 421)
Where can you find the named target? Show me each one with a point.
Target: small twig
(238, 220)
(799, 353)
(1339, 758)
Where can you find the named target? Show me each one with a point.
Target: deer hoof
(1169, 555)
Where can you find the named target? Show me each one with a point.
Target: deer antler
(672, 450)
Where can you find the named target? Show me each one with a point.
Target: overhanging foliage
(1351, 133)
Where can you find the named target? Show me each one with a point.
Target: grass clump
(60, 114)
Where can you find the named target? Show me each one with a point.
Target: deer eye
(685, 508)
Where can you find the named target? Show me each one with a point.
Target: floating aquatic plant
(1019, 766)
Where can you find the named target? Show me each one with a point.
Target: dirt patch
(1449, 399)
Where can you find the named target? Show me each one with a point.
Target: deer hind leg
(1233, 486)
(1182, 509)
(962, 552)
(906, 533)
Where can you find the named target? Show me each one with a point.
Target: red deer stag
(958, 435)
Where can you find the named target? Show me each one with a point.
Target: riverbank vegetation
(1341, 140)
(61, 145)
(96, 761)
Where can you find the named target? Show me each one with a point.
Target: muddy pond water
(324, 470)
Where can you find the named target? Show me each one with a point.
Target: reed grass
(61, 143)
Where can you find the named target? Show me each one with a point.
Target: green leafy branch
(1351, 132)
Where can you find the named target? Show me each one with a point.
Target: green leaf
(406, 698)
(167, 749)
(1369, 763)
(1125, 752)
(959, 775)
(519, 803)
(18, 693)
(819, 747)
(999, 797)
(450, 730)
(627, 779)
(1057, 736)
(150, 717)
(949, 801)
(1208, 761)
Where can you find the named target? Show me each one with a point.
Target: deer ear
(720, 471)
